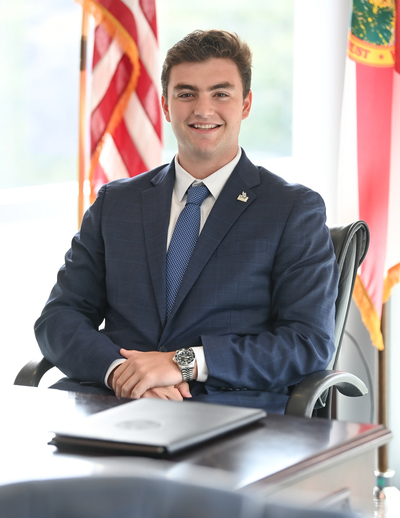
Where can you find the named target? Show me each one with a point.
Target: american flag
(125, 112)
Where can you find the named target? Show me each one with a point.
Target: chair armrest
(305, 395)
(31, 374)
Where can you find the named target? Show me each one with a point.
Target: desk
(288, 460)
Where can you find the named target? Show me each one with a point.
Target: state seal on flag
(372, 33)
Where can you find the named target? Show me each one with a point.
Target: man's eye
(221, 94)
(185, 95)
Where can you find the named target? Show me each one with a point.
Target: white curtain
(320, 40)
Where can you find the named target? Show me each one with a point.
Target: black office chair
(313, 396)
(103, 496)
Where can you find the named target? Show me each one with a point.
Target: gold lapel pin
(243, 197)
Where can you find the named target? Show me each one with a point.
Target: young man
(252, 311)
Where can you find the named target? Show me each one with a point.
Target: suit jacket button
(163, 349)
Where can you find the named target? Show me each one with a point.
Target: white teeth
(205, 126)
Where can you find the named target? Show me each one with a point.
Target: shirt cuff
(114, 364)
(202, 369)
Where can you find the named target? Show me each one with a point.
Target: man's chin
(206, 150)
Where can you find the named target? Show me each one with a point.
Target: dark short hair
(204, 45)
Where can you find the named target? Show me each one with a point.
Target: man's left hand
(144, 371)
(176, 393)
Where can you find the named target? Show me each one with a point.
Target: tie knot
(197, 194)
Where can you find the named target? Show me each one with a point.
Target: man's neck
(204, 167)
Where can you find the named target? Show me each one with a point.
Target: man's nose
(203, 107)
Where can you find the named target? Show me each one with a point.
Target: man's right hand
(174, 393)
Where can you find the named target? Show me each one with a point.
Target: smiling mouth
(204, 126)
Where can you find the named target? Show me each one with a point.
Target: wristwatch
(185, 359)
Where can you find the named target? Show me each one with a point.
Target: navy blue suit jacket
(258, 293)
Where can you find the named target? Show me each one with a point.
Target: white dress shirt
(183, 180)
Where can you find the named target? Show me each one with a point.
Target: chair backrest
(140, 496)
(350, 243)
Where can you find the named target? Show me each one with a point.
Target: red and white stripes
(125, 120)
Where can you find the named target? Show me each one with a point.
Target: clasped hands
(150, 374)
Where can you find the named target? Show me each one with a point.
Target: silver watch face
(184, 357)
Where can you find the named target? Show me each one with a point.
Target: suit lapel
(156, 203)
(226, 211)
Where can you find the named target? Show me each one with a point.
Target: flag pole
(82, 117)
(384, 475)
(382, 390)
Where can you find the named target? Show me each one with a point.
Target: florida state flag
(369, 165)
(125, 111)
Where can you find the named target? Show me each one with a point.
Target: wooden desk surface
(278, 454)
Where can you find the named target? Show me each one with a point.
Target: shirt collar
(214, 183)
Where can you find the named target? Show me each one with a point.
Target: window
(39, 59)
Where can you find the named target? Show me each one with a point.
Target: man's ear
(165, 109)
(247, 105)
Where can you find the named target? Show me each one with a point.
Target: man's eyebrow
(219, 86)
(183, 86)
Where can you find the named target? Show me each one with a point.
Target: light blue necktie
(183, 241)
